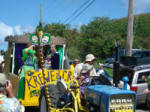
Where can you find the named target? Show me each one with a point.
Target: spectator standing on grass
(8, 103)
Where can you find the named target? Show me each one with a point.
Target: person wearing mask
(89, 59)
(8, 103)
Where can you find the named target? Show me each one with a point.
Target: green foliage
(100, 35)
(55, 29)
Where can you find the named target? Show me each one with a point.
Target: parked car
(137, 82)
(142, 57)
(121, 53)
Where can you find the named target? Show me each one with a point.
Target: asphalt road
(142, 108)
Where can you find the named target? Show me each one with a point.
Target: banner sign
(44, 38)
(34, 80)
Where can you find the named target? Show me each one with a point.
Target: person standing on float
(30, 63)
(53, 57)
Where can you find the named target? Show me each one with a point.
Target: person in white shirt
(89, 59)
(100, 70)
(8, 102)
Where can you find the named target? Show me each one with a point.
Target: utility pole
(129, 40)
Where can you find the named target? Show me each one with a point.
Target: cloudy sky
(20, 16)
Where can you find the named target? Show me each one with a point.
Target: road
(142, 108)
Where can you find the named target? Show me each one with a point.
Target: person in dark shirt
(53, 58)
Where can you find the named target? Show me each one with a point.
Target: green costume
(30, 63)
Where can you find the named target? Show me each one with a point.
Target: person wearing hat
(89, 59)
(84, 77)
(8, 103)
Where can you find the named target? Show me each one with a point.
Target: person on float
(84, 77)
(30, 63)
(53, 58)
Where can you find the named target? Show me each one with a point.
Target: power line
(77, 10)
(82, 11)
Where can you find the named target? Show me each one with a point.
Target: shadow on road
(142, 107)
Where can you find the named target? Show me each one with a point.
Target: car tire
(93, 108)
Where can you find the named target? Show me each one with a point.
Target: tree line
(100, 35)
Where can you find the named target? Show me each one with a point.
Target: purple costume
(85, 81)
(54, 58)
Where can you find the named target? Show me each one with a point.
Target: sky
(20, 16)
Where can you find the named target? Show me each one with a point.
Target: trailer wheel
(93, 108)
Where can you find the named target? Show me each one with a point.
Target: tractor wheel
(54, 93)
(93, 108)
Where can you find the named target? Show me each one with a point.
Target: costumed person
(30, 63)
(47, 63)
(8, 103)
(84, 78)
(53, 58)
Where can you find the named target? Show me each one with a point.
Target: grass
(110, 71)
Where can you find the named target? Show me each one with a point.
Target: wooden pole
(129, 40)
